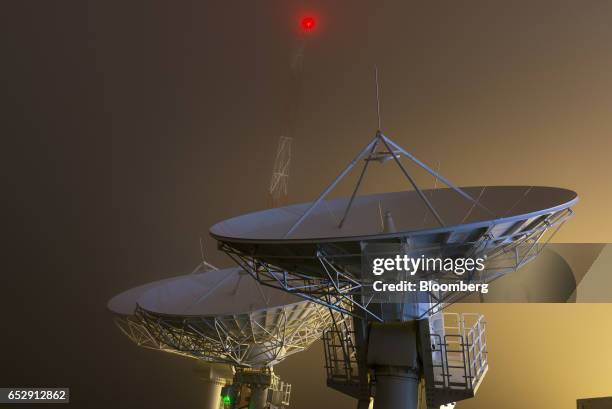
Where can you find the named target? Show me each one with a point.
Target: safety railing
(459, 350)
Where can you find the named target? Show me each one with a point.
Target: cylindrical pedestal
(214, 377)
(396, 388)
(212, 393)
(259, 397)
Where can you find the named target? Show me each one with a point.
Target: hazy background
(130, 127)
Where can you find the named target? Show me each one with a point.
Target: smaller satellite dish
(226, 316)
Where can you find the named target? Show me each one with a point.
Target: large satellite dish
(316, 250)
(263, 235)
(305, 249)
(225, 319)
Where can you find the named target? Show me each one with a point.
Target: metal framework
(337, 289)
(254, 340)
(342, 360)
(133, 328)
(393, 151)
(137, 331)
(455, 357)
(459, 350)
(331, 271)
(505, 245)
(277, 392)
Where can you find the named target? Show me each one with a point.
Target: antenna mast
(378, 98)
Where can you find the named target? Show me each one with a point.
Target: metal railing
(280, 391)
(341, 355)
(459, 350)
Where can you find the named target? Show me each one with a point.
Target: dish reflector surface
(407, 209)
(218, 292)
(125, 303)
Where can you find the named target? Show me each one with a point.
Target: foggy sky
(130, 127)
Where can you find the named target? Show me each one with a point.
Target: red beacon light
(308, 23)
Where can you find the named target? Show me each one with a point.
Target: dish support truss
(505, 249)
(254, 340)
(137, 332)
(370, 154)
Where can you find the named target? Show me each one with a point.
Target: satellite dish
(262, 235)
(214, 376)
(223, 319)
(309, 250)
(225, 316)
